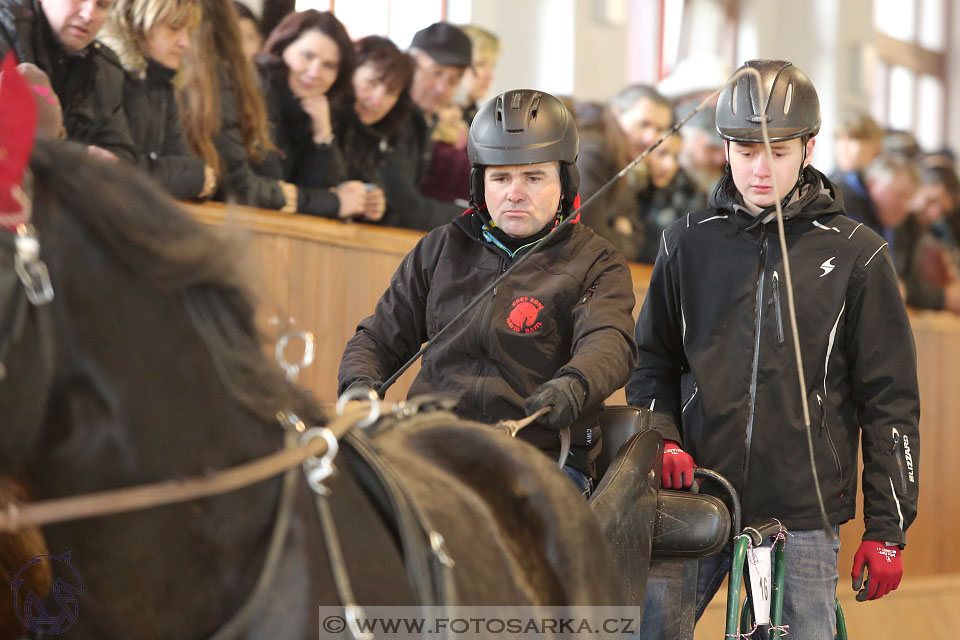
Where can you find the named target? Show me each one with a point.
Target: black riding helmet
(785, 98)
(524, 126)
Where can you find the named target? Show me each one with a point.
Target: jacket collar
(815, 196)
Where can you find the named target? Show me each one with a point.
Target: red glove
(677, 467)
(884, 570)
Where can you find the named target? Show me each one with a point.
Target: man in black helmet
(718, 369)
(557, 333)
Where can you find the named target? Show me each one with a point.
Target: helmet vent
(788, 99)
(733, 98)
(515, 100)
(535, 107)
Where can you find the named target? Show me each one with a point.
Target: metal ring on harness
(292, 369)
(319, 469)
(361, 393)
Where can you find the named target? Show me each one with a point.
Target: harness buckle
(319, 469)
(31, 270)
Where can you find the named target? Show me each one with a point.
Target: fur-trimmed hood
(123, 44)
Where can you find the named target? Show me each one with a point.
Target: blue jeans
(810, 588)
(583, 481)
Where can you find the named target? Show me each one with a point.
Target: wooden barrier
(327, 275)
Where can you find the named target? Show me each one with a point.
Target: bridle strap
(104, 503)
(241, 619)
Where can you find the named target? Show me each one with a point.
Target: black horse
(147, 366)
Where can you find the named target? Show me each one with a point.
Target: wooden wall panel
(327, 276)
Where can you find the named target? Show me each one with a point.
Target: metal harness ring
(292, 369)
(361, 393)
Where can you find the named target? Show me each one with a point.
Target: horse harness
(429, 567)
(26, 282)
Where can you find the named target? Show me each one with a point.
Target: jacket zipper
(826, 430)
(776, 304)
(754, 372)
(481, 331)
(690, 399)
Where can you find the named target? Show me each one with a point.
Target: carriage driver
(558, 332)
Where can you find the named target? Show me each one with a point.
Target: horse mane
(149, 235)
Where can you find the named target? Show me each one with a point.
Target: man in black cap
(557, 333)
(442, 53)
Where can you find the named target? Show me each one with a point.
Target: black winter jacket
(402, 172)
(314, 168)
(718, 369)
(566, 311)
(89, 83)
(150, 105)
(256, 184)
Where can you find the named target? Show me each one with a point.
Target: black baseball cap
(445, 43)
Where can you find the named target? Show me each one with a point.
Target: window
(396, 19)
(910, 75)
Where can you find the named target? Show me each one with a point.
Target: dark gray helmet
(523, 126)
(785, 98)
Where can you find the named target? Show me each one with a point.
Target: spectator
(859, 139)
(603, 153)
(901, 143)
(224, 116)
(447, 178)
(479, 75)
(251, 35)
(150, 37)
(881, 197)
(643, 115)
(307, 69)
(702, 156)
(442, 53)
(58, 37)
(928, 261)
(668, 195)
(381, 83)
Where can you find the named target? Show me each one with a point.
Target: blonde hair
(139, 17)
(485, 44)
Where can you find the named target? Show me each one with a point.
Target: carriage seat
(686, 524)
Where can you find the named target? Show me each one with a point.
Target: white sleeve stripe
(897, 501)
(653, 403)
(830, 339)
(854, 230)
(875, 254)
(664, 236)
(712, 218)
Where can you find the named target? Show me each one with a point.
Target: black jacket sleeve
(880, 345)
(110, 131)
(387, 339)
(253, 184)
(174, 166)
(604, 350)
(402, 171)
(655, 383)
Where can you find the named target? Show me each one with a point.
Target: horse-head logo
(67, 585)
(523, 314)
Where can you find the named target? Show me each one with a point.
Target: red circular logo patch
(523, 315)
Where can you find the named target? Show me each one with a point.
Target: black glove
(565, 394)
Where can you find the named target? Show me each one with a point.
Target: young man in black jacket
(718, 369)
(557, 333)
(57, 36)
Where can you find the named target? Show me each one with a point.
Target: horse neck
(137, 399)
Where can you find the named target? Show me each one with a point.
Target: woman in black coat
(150, 38)
(306, 67)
